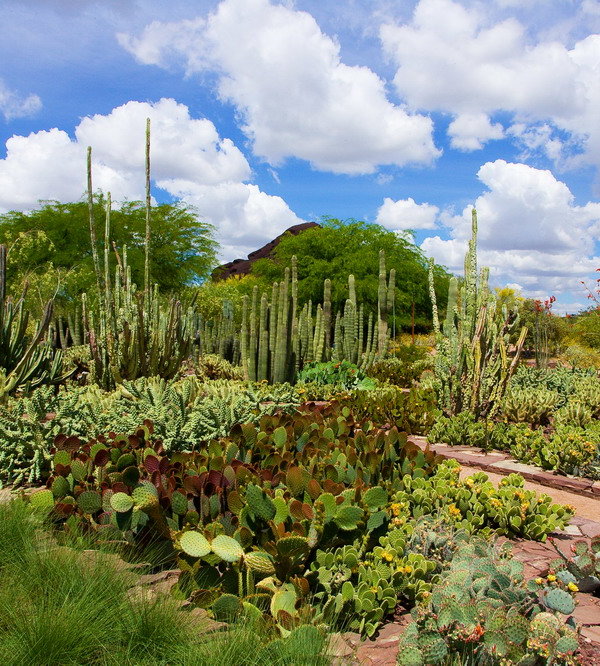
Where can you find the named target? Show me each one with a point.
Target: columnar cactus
(472, 365)
(132, 335)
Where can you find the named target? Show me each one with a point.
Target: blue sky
(266, 113)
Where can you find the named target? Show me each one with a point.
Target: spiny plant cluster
(258, 520)
(186, 413)
(550, 418)
(483, 610)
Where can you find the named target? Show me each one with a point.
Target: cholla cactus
(472, 365)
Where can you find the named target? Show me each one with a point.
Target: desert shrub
(586, 328)
(581, 356)
(403, 368)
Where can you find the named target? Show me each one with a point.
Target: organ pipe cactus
(132, 334)
(278, 338)
(472, 364)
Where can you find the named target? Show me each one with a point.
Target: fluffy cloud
(470, 131)
(530, 231)
(457, 60)
(189, 161)
(294, 94)
(14, 105)
(184, 149)
(406, 214)
(245, 216)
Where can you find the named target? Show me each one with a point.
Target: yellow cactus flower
(551, 578)
(453, 510)
(573, 587)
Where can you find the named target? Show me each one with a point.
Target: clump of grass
(248, 644)
(59, 605)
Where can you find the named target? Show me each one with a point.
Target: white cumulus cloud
(14, 105)
(470, 131)
(456, 59)
(530, 231)
(295, 96)
(189, 161)
(406, 214)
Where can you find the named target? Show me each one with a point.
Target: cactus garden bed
(306, 518)
(253, 480)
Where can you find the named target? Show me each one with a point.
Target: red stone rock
(587, 611)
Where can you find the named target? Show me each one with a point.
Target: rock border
(501, 463)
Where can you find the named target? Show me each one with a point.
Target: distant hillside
(244, 266)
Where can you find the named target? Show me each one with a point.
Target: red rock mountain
(243, 266)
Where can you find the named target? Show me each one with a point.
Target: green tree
(338, 248)
(50, 246)
(586, 327)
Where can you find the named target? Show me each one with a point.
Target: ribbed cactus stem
(432, 296)
(361, 332)
(310, 342)
(338, 344)
(449, 325)
(382, 299)
(107, 306)
(253, 339)
(92, 223)
(244, 337)
(294, 315)
(327, 315)
(350, 332)
(263, 349)
(281, 345)
(273, 326)
(148, 208)
(319, 337)
(352, 289)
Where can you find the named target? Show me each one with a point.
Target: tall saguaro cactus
(472, 364)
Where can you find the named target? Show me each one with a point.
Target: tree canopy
(338, 248)
(50, 246)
